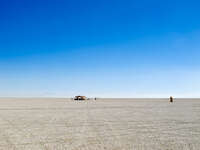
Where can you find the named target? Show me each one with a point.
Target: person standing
(171, 99)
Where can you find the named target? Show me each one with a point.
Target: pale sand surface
(121, 124)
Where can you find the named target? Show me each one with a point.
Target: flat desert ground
(104, 124)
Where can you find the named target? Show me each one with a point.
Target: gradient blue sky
(129, 48)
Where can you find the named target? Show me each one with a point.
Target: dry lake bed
(104, 124)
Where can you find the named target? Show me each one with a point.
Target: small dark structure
(80, 98)
(171, 99)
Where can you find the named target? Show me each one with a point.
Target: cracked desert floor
(104, 124)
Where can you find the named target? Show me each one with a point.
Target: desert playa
(104, 124)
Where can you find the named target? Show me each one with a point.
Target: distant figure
(95, 98)
(171, 99)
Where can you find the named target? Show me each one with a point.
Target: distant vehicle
(80, 98)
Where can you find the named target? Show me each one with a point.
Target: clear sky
(103, 48)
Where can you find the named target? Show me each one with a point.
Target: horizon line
(52, 97)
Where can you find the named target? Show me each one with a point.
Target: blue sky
(129, 48)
